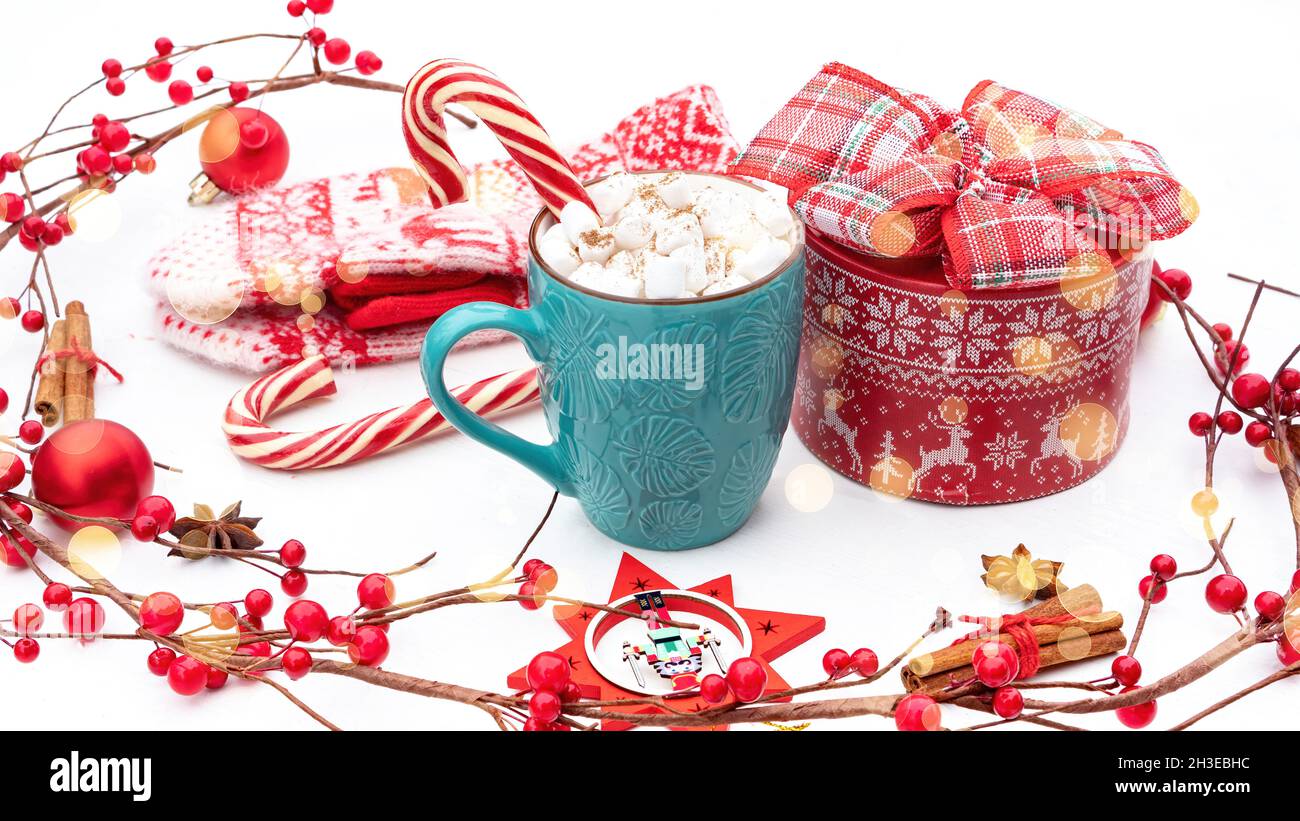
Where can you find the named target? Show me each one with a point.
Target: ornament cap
(202, 190)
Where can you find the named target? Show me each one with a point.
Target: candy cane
(453, 81)
(252, 439)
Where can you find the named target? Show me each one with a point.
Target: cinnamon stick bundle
(49, 392)
(1089, 633)
(79, 375)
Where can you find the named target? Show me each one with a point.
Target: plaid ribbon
(1012, 190)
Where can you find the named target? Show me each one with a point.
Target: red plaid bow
(1002, 189)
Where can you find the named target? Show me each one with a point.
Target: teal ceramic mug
(667, 415)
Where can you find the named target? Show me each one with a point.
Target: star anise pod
(1022, 577)
(225, 531)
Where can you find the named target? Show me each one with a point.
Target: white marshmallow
(596, 245)
(665, 277)
(611, 194)
(675, 190)
(716, 210)
(632, 232)
(715, 260)
(588, 275)
(559, 254)
(728, 283)
(762, 259)
(678, 230)
(773, 215)
(620, 285)
(554, 234)
(577, 220)
(745, 231)
(697, 276)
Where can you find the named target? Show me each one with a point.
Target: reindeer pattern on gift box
(1053, 446)
(955, 454)
(832, 400)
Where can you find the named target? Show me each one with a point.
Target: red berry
(320, 6)
(917, 713)
(996, 664)
(747, 679)
(1287, 652)
(836, 663)
(238, 91)
(11, 161)
(1225, 594)
(180, 92)
(204, 74)
(160, 660)
(530, 566)
(224, 616)
(1234, 353)
(1200, 424)
(26, 650)
(1126, 670)
(114, 136)
(713, 688)
(12, 471)
(375, 591)
(368, 62)
(53, 233)
(115, 86)
(1250, 390)
(1157, 594)
(33, 321)
(160, 509)
(296, 662)
(1139, 715)
(316, 36)
(1008, 702)
(1257, 433)
(216, 679)
(12, 208)
(13, 556)
(305, 620)
(865, 662)
(158, 69)
(33, 227)
(1223, 329)
(257, 649)
(161, 613)
(1270, 605)
(187, 676)
(1289, 379)
(144, 528)
(530, 598)
(571, 693)
(532, 725)
(296, 8)
(1229, 422)
(95, 160)
(31, 432)
(294, 583)
(111, 67)
(1178, 281)
(548, 671)
(337, 51)
(57, 596)
(369, 647)
(163, 46)
(258, 602)
(292, 553)
(145, 163)
(1164, 566)
(84, 618)
(28, 618)
(4, 397)
(340, 630)
(1295, 581)
(544, 706)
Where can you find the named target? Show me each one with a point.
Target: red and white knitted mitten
(246, 288)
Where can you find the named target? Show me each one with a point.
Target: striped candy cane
(454, 81)
(252, 439)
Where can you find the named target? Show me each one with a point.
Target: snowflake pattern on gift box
(1005, 450)
(894, 324)
(966, 336)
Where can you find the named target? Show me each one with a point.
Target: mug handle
(544, 460)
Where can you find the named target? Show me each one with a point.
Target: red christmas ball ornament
(1257, 433)
(548, 671)
(160, 509)
(747, 679)
(31, 432)
(375, 591)
(84, 618)
(337, 51)
(1250, 390)
(1229, 422)
(544, 706)
(1164, 566)
(1157, 595)
(305, 620)
(111, 67)
(368, 62)
(92, 468)
(1126, 670)
(12, 207)
(258, 602)
(836, 663)
(28, 618)
(160, 660)
(1178, 281)
(917, 713)
(996, 664)
(12, 471)
(865, 662)
(187, 676)
(1008, 702)
(115, 86)
(1270, 605)
(341, 630)
(161, 613)
(294, 583)
(57, 596)
(1225, 593)
(320, 6)
(26, 650)
(33, 321)
(369, 647)
(158, 69)
(180, 92)
(713, 688)
(296, 662)
(240, 149)
(1137, 716)
(1200, 423)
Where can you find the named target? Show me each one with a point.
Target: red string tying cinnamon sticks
(89, 358)
(1017, 626)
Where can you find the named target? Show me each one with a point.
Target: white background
(1214, 94)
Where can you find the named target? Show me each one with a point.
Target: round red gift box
(977, 397)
